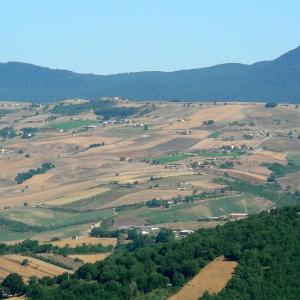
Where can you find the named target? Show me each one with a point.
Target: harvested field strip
(170, 158)
(77, 197)
(175, 145)
(59, 260)
(98, 200)
(12, 264)
(274, 155)
(212, 278)
(244, 175)
(90, 258)
(86, 240)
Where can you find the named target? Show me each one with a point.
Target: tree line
(21, 177)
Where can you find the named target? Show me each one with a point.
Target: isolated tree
(25, 262)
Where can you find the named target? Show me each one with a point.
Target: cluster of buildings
(93, 226)
(147, 230)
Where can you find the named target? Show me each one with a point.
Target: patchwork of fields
(111, 170)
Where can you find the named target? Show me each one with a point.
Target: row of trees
(32, 247)
(154, 203)
(21, 177)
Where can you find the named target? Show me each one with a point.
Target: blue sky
(113, 36)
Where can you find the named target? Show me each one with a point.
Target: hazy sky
(112, 36)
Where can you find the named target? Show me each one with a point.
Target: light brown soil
(11, 263)
(244, 175)
(205, 184)
(274, 155)
(86, 240)
(212, 278)
(90, 258)
(217, 113)
(217, 143)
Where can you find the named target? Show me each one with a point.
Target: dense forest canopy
(266, 247)
(273, 81)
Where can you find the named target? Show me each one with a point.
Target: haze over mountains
(277, 80)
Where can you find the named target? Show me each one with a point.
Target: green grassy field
(214, 134)
(186, 212)
(35, 216)
(171, 158)
(97, 201)
(85, 217)
(122, 132)
(207, 153)
(166, 159)
(227, 205)
(294, 157)
(45, 217)
(67, 125)
(9, 235)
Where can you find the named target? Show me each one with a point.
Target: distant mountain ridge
(277, 80)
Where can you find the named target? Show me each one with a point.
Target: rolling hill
(277, 80)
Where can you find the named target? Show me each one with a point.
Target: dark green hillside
(277, 80)
(267, 247)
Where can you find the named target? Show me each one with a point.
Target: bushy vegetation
(116, 112)
(96, 145)
(208, 122)
(28, 132)
(248, 136)
(270, 104)
(279, 170)
(266, 247)
(7, 133)
(140, 240)
(4, 112)
(199, 196)
(13, 284)
(214, 135)
(226, 165)
(21, 177)
(100, 232)
(154, 203)
(74, 109)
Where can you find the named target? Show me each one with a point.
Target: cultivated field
(11, 263)
(212, 279)
(85, 240)
(90, 258)
(171, 150)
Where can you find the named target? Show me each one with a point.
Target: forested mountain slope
(277, 80)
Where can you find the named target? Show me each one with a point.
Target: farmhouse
(237, 216)
(185, 232)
